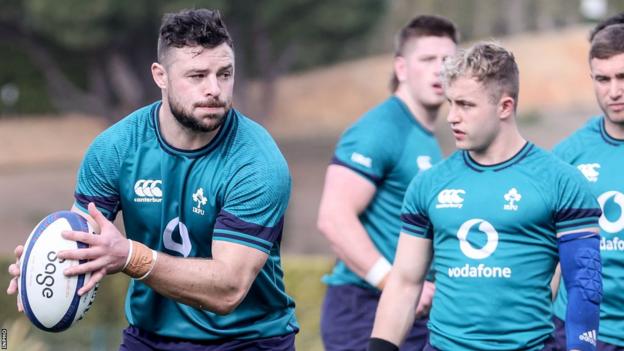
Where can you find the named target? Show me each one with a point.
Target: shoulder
(578, 141)
(132, 128)
(252, 147)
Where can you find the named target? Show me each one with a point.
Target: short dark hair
(607, 42)
(191, 28)
(616, 19)
(422, 26)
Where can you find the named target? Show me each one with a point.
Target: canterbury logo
(589, 336)
(450, 198)
(148, 190)
(590, 171)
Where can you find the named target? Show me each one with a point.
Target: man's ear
(159, 74)
(400, 68)
(506, 107)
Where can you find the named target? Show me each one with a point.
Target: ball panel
(50, 299)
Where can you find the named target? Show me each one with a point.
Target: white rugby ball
(50, 298)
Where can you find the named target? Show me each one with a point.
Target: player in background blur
(493, 228)
(597, 151)
(203, 191)
(374, 161)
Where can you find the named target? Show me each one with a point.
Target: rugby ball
(50, 299)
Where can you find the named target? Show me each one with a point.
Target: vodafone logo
(468, 249)
(148, 190)
(618, 224)
(480, 270)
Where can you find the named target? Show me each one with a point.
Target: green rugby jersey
(234, 189)
(600, 158)
(388, 147)
(494, 231)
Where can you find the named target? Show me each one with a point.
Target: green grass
(102, 326)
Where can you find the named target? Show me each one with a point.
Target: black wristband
(377, 344)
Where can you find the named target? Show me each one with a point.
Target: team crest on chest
(512, 197)
(590, 171)
(200, 200)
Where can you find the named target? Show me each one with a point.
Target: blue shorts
(348, 316)
(549, 345)
(135, 339)
(560, 338)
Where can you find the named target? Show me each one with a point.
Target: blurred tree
(95, 55)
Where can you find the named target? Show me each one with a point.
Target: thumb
(97, 216)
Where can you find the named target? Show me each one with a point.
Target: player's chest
(506, 204)
(603, 170)
(165, 188)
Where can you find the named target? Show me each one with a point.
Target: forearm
(395, 313)
(350, 241)
(202, 283)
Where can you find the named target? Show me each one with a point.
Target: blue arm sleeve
(581, 270)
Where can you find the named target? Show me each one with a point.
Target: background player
(597, 150)
(494, 229)
(374, 162)
(203, 191)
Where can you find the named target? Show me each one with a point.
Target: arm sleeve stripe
(576, 213)
(374, 179)
(420, 234)
(415, 219)
(228, 222)
(241, 242)
(413, 228)
(109, 205)
(243, 236)
(590, 222)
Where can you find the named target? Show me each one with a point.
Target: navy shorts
(560, 338)
(348, 316)
(135, 339)
(549, 345)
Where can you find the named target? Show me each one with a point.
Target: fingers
(86, 238)
(86, 267)
(18, 251)
(80, 254)
(95, 278)
(20, 308)
(12, 289)
(14, 270)
(97, 215)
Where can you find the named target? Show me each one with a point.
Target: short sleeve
(97, 178)
(366, 148)
(575, 206)
(254, 205)
(414, 217)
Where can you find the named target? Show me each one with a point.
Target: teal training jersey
(388, 147)
(494, 232)
(235, 189)
(600, 158)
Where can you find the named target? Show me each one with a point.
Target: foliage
(101, 327)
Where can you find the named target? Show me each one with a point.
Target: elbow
(325, 224)
(230, 299)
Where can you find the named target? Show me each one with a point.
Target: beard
(205, 124)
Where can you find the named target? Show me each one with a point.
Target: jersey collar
(519, 156)
(408, 114)
(606, 137)
(224, 130)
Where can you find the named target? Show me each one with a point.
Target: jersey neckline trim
(408, 114)
(519, 156)
(196, 152)
(605, 135)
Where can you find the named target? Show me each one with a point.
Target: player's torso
(170, 202)
(601, 161)
(495, 252)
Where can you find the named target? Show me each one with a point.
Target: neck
(504, 146)
(179, 136)
(424, 115)
(615, 130)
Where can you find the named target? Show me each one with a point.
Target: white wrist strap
(154, 257)
(129, 254)
(378, 271)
